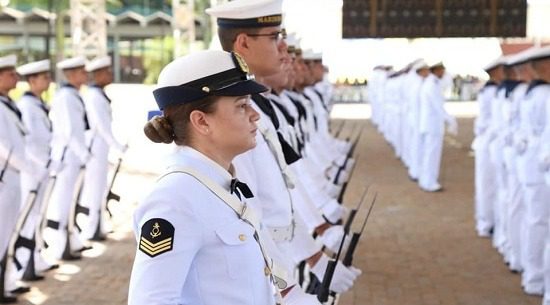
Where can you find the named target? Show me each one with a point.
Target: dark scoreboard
(434, 18)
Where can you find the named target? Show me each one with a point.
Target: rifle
(345, 186)
(353, 212)
(98, 234)
(324, 290)
(348, 156)
(4, 260)
(337, 133)
(348, 258)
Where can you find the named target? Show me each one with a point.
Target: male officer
(252, 29)
(484, 170)
(98, 110)
(69, 122)
(416, 77)
(432, 119)
(536, 192)
(13, 162)
(37, 143)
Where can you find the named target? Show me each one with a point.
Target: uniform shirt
(69, 123)
(432, 112)
(39, 128)
(212, 256)
(98, 110)
(484, 99)
(533, 122)
(12, 133)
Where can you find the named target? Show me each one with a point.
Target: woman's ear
(199, 122)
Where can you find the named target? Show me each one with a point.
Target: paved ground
(419, 248)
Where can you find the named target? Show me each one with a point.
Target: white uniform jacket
(432, 112)
(39, 128)
(12, 141)
(192, 247)
(98, 109)
(69, 122)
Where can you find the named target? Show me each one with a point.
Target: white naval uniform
(213, 257)
(37, 148)
(432, 128)
(94, 190)
(414, 83)
(485, 184)
(13, 161)
(545, 153)
(536, 192)
(69, 124)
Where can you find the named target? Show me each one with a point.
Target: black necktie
(239, 188)
(11, 105)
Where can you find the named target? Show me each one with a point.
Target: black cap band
(257, 22)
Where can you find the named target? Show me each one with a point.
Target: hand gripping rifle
(348, 258)
(348, 156)
(323, 290)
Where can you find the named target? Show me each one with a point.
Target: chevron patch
(157, 237)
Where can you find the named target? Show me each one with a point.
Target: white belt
(280, 234)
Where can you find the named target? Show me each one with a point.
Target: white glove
(349, 164)
(296, 296)
(342, 279)
(84, 158)
(332, 238)
(56, 167)
(452, 125)
(119, 151)
(333, 211)
(521, 145)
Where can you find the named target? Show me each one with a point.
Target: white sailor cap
(437, 64)
(292, 42)
(312, 56)
(98, 63)
(8, 61)
(201, 74)
(540, 53)
(419, 64)
(248, 13)
(519, 58)
(71, 63)
(495, 63)
(34, 67)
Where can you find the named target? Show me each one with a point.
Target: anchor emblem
(156, 230)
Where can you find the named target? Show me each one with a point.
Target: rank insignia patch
(157, 237)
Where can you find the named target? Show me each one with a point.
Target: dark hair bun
(159, 130)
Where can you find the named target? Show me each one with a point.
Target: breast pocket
(240, 248)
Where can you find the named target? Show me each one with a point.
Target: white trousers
(546, 299)
(416, 153)
(535, 229)
(485, 191)
(10, 200)
(94, 193)
(62, 197)
(431, 161)
(515, 216)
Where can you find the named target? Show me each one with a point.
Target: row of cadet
(408, 109)
(254, 175)
(512, 165)
(53, 166)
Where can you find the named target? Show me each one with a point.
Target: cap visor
(242, 88)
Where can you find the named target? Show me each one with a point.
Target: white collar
(194, 158)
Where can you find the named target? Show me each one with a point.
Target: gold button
(242, 237)
(267, 271)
